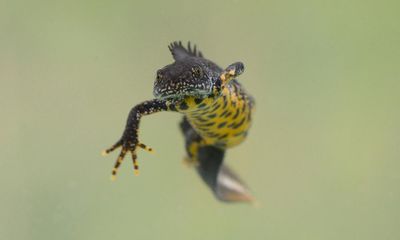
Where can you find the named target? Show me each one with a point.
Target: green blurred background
(322, 157)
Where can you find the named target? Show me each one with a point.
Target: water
(322, 156)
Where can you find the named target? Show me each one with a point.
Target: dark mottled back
(189, 75)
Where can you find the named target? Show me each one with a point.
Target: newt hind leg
(193, 141)
(208, 160)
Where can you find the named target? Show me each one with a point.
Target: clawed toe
(112, 148)
(143, 146)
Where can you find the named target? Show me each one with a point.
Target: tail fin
(224, 183)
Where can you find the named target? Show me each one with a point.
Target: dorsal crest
(179, 52)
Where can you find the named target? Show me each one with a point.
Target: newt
(217, 115)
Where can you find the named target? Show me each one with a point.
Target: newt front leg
(129, 140)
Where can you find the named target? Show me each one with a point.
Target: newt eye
(197, 72)
(159, 75)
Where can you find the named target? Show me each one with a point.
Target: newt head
(183, 78)
(190, 75)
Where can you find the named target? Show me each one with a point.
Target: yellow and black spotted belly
(222, 121)
(217, 115)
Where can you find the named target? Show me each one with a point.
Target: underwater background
(322, 157)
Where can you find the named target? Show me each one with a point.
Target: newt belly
(223, 121)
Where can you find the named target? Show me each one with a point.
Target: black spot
(227, 115)
(233, 103)
(239, 124)
(244, 107)
(225, 102)
(215, 107)
(183, 106)
(208, 124)
(212, 116)
(202, 105)
(224, 113)
(201, 119)
(223, 136)
(221, 125)
(211, 134)
(198, 100)
(237, 113)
